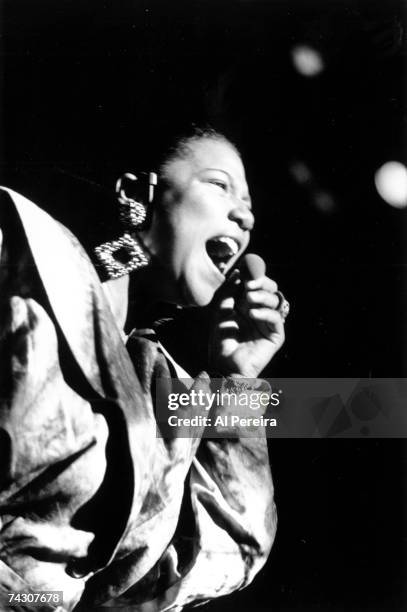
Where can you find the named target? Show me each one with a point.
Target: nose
(242, 215)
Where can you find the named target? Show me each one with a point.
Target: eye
(219, 183)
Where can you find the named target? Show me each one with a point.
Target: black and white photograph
(203, 297)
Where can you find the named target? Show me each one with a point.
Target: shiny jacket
(92, 502)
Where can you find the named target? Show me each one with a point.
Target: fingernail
(251, 284)
(234, 276)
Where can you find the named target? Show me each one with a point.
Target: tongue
(219, 253)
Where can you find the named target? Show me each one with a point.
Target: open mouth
(221, 250)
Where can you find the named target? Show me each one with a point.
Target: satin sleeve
(226, 521)
(92, 500)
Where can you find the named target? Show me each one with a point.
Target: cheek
(160, 234)
(183, 227)
(180, 227)
(167, 240)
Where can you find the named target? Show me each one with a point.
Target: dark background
(92, 88)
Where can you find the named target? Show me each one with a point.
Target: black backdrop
(91, 87)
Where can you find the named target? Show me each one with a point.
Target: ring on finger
(284, 306)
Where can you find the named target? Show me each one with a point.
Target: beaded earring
(124, 255)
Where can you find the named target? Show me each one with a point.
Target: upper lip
(240, 243)
(237, 239)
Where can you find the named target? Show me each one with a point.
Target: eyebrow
(246, 198)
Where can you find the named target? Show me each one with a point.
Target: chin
(198, 296)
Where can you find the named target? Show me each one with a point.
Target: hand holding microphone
(249, 320)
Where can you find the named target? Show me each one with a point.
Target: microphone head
(252, 266)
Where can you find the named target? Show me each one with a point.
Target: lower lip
(218, 272)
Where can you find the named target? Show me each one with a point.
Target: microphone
(252, 267)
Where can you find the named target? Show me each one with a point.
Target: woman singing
(92, 502)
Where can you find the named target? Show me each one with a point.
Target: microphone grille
(252, 267)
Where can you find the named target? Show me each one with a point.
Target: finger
(227, 289)
(228, 303)
(264, 282)
(262, 298)
(230, 283)
(271, 320)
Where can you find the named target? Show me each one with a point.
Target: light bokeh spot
(307, 61)
(391, 183)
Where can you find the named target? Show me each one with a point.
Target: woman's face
(202, 223)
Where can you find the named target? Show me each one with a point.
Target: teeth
(221, 250)
(231, 243)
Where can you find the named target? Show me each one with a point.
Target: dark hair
(180, 145)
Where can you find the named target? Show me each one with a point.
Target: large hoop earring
(121, 256)
(125, 254)
(133, 213)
